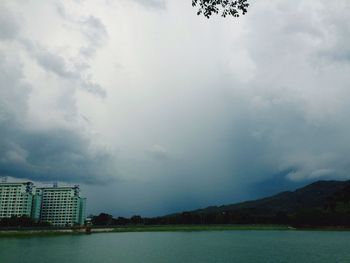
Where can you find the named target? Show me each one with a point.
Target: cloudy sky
(153, 109)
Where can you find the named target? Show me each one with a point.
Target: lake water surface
(186, 247)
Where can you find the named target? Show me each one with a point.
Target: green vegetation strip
(124, 229)
(191, 228)
(162, 228)
(35, 233)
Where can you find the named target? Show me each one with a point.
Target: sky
(152, 109)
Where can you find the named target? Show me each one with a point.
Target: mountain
(314, 195)
(322, 203)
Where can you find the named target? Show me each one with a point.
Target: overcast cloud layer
(154, 109)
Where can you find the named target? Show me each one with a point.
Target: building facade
(60, 206)
(16, 199)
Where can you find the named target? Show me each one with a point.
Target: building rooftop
(58, 187)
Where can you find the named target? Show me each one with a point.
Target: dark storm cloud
(55, 155)
(64, 153)
(202, 112)
(268, 114)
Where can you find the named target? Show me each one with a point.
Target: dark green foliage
(136, 220)
(102, 219)
(21, 221)
(320, 217)
(121, 221)
(225, 7)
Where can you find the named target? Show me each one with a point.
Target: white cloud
(221, 104)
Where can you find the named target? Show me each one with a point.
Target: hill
(314, 195)
(317, 204)
(320, 204)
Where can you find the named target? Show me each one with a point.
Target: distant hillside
(314, 195)
(323, 203)
(320, 204)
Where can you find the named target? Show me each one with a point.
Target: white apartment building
(62, 206)
(17, 199)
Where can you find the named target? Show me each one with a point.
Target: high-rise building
(16, 199)
(62, 206)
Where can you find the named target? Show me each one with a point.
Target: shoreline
(159, 228)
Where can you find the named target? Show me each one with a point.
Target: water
(184, 247)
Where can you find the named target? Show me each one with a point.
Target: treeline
(334, 212)
(104, 219)
(21, 221)
(303, 218)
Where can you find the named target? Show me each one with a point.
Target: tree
(225, 7)
(102, 219)
(136, 220)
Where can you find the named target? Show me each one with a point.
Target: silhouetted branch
(226, 7)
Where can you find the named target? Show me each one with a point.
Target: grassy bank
(158, 228)
(125, 229)
(191, 228)
(35, 233)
